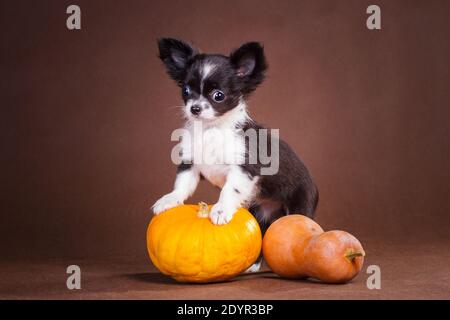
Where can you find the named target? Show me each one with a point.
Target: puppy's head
(212, 84)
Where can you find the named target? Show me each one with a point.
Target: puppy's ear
(250, 65)
(175, 54)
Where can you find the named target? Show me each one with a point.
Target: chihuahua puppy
(215, 89)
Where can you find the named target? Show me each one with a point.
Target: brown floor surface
(407, 272)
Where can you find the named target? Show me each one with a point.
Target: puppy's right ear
(175, 54)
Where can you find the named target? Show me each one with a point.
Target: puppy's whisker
(176, 107)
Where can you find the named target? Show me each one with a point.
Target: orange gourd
(183, 243)
(286, 235)
(334, 257)
(295, 246)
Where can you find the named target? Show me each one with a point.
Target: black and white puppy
(214, 91)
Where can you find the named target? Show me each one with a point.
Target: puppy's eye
(186, 90)
(218, 96)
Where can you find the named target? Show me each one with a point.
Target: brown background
(87, 115)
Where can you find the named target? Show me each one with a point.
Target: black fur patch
(236, 76)
(222, 78)
(176, 55)
(292, 186)
(183, 167)
(250, 65)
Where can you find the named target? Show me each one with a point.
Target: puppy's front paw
(167, 202)
(221, 214)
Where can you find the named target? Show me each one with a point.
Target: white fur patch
(213, 146)
(185, 185)
(207, 69)
(238, 190)
(207, 112)
(166, 202)
(254, 267)
(216, 149)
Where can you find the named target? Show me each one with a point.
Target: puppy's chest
(214, 151)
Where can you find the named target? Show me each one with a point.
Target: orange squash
(184, 244)
(295, 246)
(286, 235)
(334, 257)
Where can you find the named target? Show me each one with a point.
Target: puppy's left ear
(175, 54)
(250, 65)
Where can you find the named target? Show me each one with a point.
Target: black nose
(195, 109)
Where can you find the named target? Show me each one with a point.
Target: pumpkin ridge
(227, 244)
(150, 246)
(182, 233)
(238, 239)
(204, 224)
(156, 220)
(187, 233)
(169, 225)
(213, 244)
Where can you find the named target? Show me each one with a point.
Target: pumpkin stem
(351, 255)
(203, 211)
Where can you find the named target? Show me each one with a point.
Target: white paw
(221, 214)
(254, 267)
(167, 202)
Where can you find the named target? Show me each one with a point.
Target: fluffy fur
(214, 90)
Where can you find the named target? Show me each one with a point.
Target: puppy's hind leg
(304, 201)
(265, 213)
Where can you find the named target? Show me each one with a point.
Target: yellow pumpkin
(183, 243)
